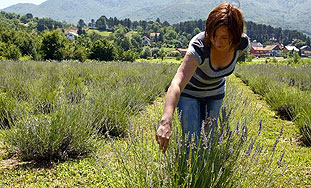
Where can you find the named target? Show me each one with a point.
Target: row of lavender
(54, 110)
(287, 89)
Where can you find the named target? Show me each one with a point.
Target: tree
(196, 31)
(129, 56)
(54, 45)
(9, 51)
(158, 20)
(92, 23)
(296, 57)
(29, 16)
(80, 53)
(103, 50)
(136, 40)
(126, 43)
(81, 23)
(162, 53)
(146, 52)
(170, 35)
(101, 23)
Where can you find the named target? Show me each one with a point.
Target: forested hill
(260, 32)
(287, 14)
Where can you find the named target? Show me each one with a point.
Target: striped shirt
(207, 82)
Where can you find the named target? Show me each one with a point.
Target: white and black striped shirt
(207, 82)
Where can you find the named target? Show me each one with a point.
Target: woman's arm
(179, 82)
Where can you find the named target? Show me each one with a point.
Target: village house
(71, 35)
(305, 51)
(256, 44)
(290, 49)
(269, 50)
(146, 41)
(258, 50)
(154, 35)
(273, 50)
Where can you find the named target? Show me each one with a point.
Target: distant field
(166, 60)
(102, 33)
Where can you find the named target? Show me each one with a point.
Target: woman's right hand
(163, 135)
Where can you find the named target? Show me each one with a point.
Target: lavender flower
(237, 129)
(250, 147)
(260, 127)
(279, 162)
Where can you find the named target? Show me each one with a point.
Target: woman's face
(222, 40)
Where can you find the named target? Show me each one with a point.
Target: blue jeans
(193, 111)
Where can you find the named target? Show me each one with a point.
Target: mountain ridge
(287, 14)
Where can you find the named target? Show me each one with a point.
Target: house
(273, 50)
(258, 50)
(72, 30)
(146, 41)
(290, 49)
(256, 44)
(154, 35)
(71, 35)
(305, 51)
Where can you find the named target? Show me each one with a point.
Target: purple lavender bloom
(281, 157)
(260, 127)
(250, 147)
(237, 129)
(231, 148)
(281, 131)
(221, 138)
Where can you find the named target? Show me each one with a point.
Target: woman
(199, 84)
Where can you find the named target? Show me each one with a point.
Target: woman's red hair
(225, 15)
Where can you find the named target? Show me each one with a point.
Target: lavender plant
(285, 89)
(224, 157)
(68, 132)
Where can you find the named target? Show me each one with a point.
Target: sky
(7, 3)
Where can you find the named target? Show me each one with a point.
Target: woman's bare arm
(179, 82)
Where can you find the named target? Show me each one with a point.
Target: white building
(71, 35)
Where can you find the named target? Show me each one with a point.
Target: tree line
(43, 38)
(260, 32)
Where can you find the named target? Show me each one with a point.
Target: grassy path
(104, 168)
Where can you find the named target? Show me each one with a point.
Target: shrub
(66, 133)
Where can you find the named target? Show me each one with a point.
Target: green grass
(102, 33)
